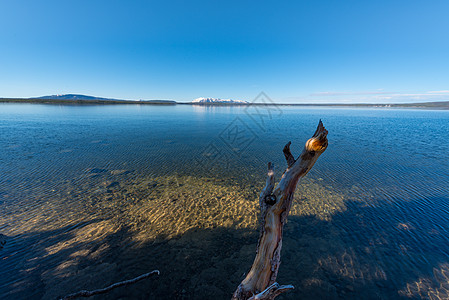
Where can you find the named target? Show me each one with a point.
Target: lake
(92, 195)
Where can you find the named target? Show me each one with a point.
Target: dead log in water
(275, 203)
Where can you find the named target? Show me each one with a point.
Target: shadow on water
(370, 252)
(365, 252)
(23, 257)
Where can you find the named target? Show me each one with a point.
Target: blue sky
(295, 51)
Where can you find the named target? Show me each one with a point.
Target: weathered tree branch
(288, 155)
(85, 293)
(265, 195)
(260, 282)
(272, 291)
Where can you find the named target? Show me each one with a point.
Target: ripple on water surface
(85, 206)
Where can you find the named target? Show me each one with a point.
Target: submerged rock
(119, 172)
(2, 240)
(113, 184)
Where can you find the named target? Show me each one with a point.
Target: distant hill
(439, 104)
(158, 101)
(84, 99)
(77, 97)
(217, 101)
(74, 97)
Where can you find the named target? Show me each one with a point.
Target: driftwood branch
(275, 203)
(266, 194)
(272, 291)
(85, 293)
(288, 155)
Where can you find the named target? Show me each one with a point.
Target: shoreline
(444, 105)
(85, 102)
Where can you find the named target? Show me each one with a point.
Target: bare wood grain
(275, 204)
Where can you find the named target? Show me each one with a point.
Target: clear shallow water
(91, 195)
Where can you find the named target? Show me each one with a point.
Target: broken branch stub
(275, 204)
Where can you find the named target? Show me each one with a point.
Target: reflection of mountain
(218, 101)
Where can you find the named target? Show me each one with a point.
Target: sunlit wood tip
(321, 131)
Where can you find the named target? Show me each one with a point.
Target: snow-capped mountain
(216, 100)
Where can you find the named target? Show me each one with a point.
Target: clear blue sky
(295, 51)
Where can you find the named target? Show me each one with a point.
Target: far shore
(86, 102)
(442, 105)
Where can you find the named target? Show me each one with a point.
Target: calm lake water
(91, 195)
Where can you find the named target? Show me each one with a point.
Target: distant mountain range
(74, 97)
(79, 98)
(218, 101)
(84, 99)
